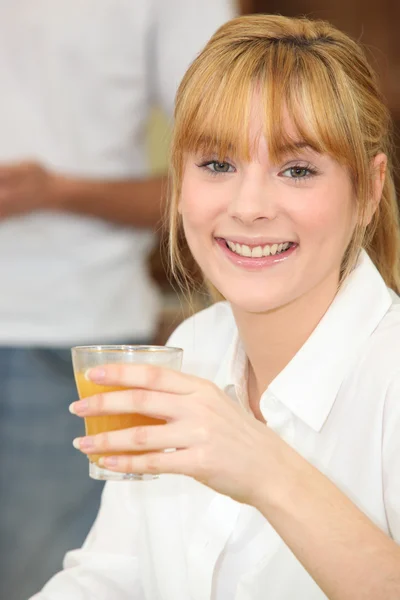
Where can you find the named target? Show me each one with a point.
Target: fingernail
(83, 443)
(109, 461)
(96, 374)
(80, 406)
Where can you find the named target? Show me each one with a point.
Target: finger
(11, 200)
(153, 463)
(5, 176)
(148, 377)
(136, 439)
(11, 172)
(145, 402)
(7, 193)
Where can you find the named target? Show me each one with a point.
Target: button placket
(278, 417)
(207, 543)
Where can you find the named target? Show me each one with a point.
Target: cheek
(199, 206)
(329, 217)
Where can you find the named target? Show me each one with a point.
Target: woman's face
(266, 234)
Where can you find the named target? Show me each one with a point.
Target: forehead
(291, 137)
(305, 95)
(228, 106)
(239, 124)
(251, 142)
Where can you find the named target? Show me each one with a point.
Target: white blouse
(337, 403)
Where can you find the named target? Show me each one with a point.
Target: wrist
(62, 192)
(281, 478)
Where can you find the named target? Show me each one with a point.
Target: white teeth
(257, 251)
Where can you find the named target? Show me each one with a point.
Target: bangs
(302, 102)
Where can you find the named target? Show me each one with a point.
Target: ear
(379, 166)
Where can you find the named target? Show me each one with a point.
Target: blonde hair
(323, 79)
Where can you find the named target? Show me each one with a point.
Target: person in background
(284, 479)
(77, 210)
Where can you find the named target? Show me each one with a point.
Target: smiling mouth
(258, 251)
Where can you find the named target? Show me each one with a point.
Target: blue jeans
(47, 501)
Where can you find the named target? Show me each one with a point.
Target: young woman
(285, 482)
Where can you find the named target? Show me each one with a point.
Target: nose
(253, 199)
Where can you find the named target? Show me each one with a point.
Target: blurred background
(86, 105)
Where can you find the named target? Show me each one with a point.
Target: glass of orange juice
(86, 357)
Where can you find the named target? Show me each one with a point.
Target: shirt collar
(309, 384)
(232, 372)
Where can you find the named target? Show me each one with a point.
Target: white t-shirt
(337, 403)
(78, 78)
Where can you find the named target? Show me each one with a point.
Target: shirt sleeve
(181, 30)
(391, 458)
(106, 567)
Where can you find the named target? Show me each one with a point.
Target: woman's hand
(216, 441)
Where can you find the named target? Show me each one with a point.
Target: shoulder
(378, 366)
(197, 329)
(205, 338)
(391, 437)
(387, 354)
(383, 349)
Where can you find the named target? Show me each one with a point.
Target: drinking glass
(86, 357)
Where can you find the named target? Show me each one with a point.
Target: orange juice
(94, 425)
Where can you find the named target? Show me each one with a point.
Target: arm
(136, 202)
(181, 29)
(27, 186)
(344, 552)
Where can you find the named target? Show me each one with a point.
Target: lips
(255, 255)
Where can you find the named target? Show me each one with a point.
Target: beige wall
(158, 141)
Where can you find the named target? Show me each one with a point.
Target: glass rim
(132, 348)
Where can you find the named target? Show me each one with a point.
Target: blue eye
(298, 172)
(215, 167)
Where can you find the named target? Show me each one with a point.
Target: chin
(256, 302)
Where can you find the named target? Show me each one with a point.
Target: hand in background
(25, 187)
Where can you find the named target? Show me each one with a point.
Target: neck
(272, 339)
